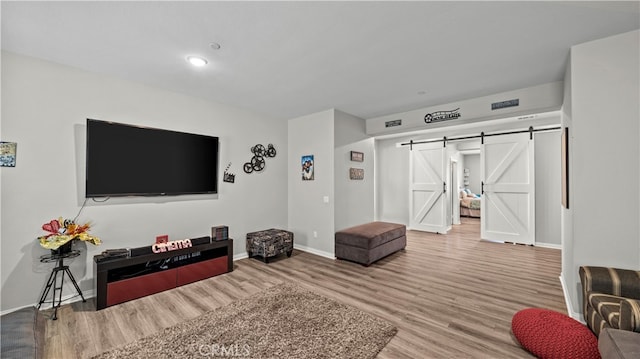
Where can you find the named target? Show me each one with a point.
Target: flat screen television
(128, 160)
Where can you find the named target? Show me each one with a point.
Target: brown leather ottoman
(370, 242)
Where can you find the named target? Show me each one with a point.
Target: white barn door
(508, 201)
(427, 199)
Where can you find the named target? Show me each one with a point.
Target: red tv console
(123, 279)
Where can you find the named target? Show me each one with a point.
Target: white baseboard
(66, 299)
(314, 251)
(548, 245)
(295, 246)
(240, 256)
(572, 313)
(7, 311)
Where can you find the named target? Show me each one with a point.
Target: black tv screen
(127, 160)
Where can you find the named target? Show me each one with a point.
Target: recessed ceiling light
(196, 61)
(215, 45)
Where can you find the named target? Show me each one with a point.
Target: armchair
(611, 298)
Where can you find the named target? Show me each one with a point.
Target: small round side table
(52, 282)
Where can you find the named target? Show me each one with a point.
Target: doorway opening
(491, 178)
(469, 190)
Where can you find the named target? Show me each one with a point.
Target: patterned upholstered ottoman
(269, 243)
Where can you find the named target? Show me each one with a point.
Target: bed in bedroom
(469, 204)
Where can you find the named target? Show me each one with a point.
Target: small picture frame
(228, 176)
(8, 154)
(356, 173)
(357, 156)
(306, 164)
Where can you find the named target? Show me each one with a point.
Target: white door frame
(453, 192)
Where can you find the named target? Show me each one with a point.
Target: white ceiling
(288, 59)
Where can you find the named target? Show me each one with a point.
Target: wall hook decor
(257, 162)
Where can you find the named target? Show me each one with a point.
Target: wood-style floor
(450, 296)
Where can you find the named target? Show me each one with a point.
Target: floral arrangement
(62, 231)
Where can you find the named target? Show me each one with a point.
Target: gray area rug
(284, 321)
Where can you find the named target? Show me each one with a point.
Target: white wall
(354, 199)
(472, 162)
(308, 213)
(461, 167)
(603, 116)
(44, 107)
(392, 182)
(548, 188)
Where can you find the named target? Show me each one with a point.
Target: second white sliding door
(508, 202)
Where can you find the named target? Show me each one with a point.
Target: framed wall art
(356, 173)
(307, 167)
(8, 154)
(357, 156)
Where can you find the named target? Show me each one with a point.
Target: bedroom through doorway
(469, 189)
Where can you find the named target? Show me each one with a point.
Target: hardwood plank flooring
(449, 296)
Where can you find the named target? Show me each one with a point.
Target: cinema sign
(440, 116)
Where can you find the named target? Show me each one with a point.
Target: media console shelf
(123, 279)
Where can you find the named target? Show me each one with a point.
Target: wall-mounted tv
(128, 160)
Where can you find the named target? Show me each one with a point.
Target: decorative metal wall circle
(257, 162)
